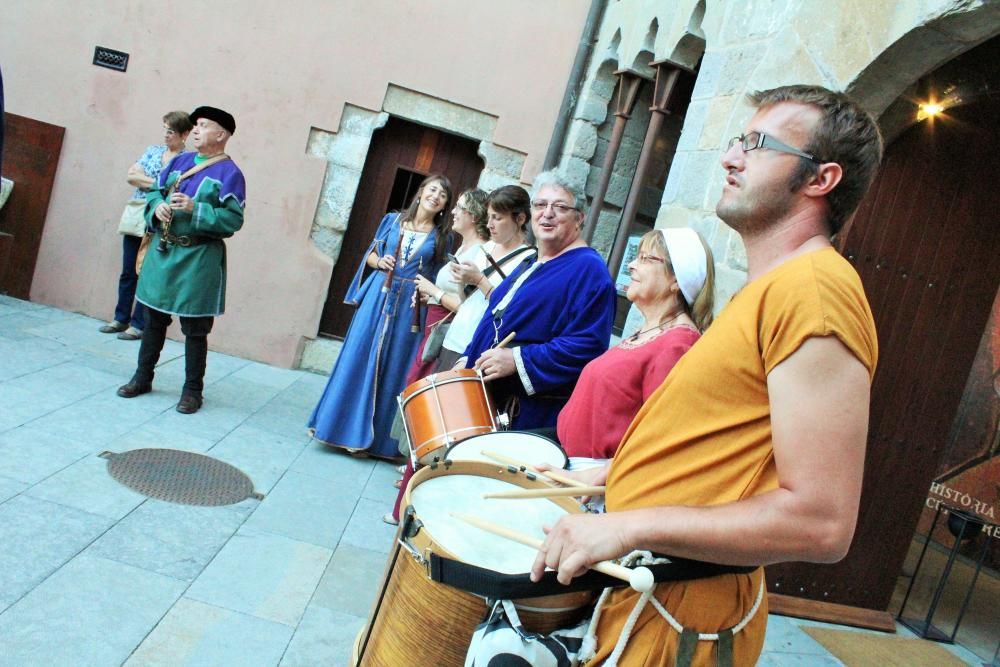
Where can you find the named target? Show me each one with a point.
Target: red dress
(613, 387)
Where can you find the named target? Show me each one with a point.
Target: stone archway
(885, 80)
(345, 152)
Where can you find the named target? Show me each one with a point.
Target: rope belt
(689, 638)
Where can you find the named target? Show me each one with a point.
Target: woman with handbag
(143, 175)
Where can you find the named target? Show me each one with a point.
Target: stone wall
(874, 50)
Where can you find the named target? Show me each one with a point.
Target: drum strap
(495, 585)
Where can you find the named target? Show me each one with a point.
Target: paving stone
(265, 575)
(281, 417)
(91, 612)
(237, 392)
(775, 659)
(306, 390)
(264, 456)
(324, 637)
(158, 434)
(98, 420)
(366, 528)
(23, 353)
(279, 378)
(10, 488)
(213, 420)
(69, 329)
(381, 484)
(65, 382)
(31, 453)
(221, 365)
(194, 633)
(337, 466)
(36, 537)
(174, 540)
(120, 367)
(23, 413)
(351, 580)
(785, 636)
(306, 508)
(18, 304)
(87, 485)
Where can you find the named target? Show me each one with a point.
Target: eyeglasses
(751, 141)
(558, 207)
(646, 258)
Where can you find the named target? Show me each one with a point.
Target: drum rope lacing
(589, 647)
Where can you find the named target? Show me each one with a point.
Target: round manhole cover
(180, 477)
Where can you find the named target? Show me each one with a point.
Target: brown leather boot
(189, 404)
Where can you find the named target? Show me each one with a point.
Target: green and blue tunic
(191, 281)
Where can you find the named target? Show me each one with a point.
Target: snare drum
(442, 409)
(417, 621)
(528, 448)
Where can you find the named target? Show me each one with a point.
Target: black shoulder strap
(491, 584)
(490, 270)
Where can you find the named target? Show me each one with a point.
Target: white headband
(687, 256)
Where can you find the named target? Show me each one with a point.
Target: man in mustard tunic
(199, 202)
(752, 450)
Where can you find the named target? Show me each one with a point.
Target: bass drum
(418, 621)
(522, 446)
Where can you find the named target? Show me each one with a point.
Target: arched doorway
(402, 153)
(926, 243)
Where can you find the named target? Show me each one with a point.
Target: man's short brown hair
(846, 134)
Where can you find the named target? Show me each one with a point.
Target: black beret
(223, 118)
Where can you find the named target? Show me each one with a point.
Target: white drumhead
(527, 447)
(434, 499)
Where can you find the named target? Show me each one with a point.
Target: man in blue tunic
(199, 202)
(560, 307)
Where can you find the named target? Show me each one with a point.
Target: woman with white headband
(672, 285)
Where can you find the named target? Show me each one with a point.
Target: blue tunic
(563, 314)
(359, 403)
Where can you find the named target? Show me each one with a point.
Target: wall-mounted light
(929, 110)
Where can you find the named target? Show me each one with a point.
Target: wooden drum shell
(417, 621)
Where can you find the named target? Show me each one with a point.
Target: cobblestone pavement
(92, 573)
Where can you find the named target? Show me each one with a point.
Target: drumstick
(640, 578)
(554, 476)
(551, 492)
(506, 341)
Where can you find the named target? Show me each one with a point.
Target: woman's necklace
(419, 227)
(634, 337)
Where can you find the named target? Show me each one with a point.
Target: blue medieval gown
(562, 315)
(357, 407)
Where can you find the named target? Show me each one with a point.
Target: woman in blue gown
(356, 409)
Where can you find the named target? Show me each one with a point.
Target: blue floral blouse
(151, 163)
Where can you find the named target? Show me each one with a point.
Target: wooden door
(30, 158)
(401, 155)
(926, 243)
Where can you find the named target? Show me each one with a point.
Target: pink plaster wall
(280, 68)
